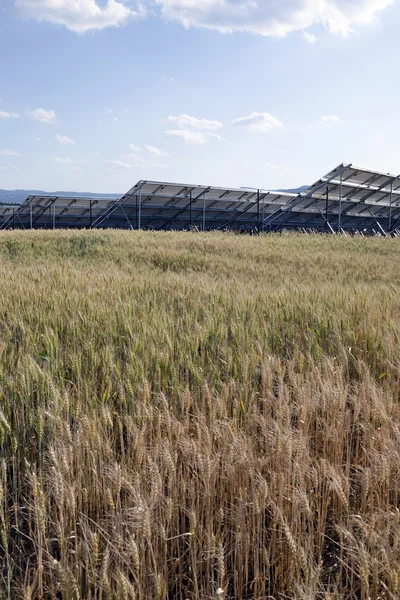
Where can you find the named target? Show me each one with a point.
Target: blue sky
(254, 93)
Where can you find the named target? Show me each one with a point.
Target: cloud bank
(258, 122)
(263, 17)
(271, 18)
(80, 15)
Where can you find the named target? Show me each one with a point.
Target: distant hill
(18, 196)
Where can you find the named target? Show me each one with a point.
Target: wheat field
(205, 416)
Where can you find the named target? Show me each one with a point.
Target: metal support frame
(184, 209)
(10, 222)
(325, 218)
(167, 206)
(43, 213)
(366, 221)
(390, 207)
(240, 214)
(263, 213)
(127, 218)
(327, 207)
(376, 221)
(139, 222)
(105, 215)
(340, 204)
(233, 213)
(290, 204)
(395, 218)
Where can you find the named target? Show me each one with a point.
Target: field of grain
(205, 416)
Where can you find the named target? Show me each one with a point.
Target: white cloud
(136, 158)
(119, 164)
(215, 136)
(8, 115)
(63, 139)
(77, 169)
(272, 18)
(309, 37)
(159, 165)
(155, 151)
(188, 122)
(189, 137)
(115, 118)
(134, 148)
(43, 115)
(259, 122)
(79, 15)
(329, 121)
(265, 17)
(38, 139)
(134, 161)
(63, 160)
(7, 152)
(7, 168)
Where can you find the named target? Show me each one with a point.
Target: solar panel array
(348, 198)
(50, 212)
(155, 205)
(6, 211)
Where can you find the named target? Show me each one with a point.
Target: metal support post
(263, 216)
(323, 216)
(204, 212)
(340, 203)
(326, 208)
(190, 209)
(126, 217)
(140, 210)
(13, 218)
(54, 215)
(30, 215)
(90, 214)
(390, 207)
(258, 211)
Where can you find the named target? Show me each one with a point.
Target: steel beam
(340, 203)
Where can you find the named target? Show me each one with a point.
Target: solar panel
(6, 210)
(162, 205)
(349, 198)
(50, 212)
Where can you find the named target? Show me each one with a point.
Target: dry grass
(199, 416)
